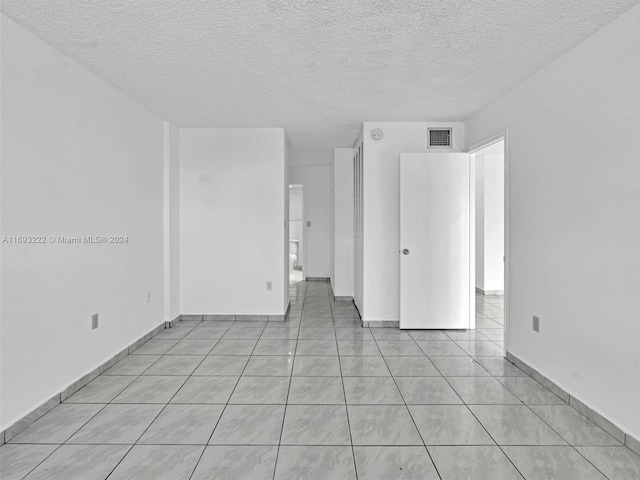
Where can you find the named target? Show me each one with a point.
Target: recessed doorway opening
(490, 214)
(296, 233)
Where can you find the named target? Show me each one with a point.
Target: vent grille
(439, 138)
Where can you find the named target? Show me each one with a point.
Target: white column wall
(479, 219)
(342, 279)
(233, 221)
(381, 200)
(171, 221)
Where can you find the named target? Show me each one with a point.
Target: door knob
(406, 251)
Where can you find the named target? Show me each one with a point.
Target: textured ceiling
(319, 68)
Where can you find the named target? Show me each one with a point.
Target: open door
(435, 265)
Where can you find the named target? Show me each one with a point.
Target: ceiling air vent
(439, 138)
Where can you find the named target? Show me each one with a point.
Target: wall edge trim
(343, 298)
(232, 317)
(23, 423)
(603, 422)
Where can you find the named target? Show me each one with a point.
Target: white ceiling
(319, 68)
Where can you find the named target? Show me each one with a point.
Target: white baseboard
(489, 292)
(607, 425)
(60, 397)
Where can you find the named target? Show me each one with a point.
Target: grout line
(406, 406)
(124, 352)
(463, 403)
(284, 415)
(299, 325)
(310, 444)
(226, 404)
(141, 375)
(60, 445)
(474, 415)
(569, 444)
(344, 392)
(166, 354)
(530, 409)
(120, 461)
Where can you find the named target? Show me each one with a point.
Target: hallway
(317, 397)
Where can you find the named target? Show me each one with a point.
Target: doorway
(490, 240)
(453, 231)
(296, 233)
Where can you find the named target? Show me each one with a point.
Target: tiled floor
(317, 397)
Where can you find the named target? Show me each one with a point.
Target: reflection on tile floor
(317, 397)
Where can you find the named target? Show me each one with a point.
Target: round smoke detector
(377, 134)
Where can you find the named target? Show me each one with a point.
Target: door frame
(504, 136)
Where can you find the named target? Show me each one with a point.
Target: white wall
(479, 219)
(493, 223)
(285, 211)
(358, 226)
(171, 220)
(489, 197)
(332, 229)
(342, 275)
(574, 180)
(381, 293)
(233, 221)
(316, 181)
(295, 205)
(78, 158)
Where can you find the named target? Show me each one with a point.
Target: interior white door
(435, 241)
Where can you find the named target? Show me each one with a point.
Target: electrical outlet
(308, 223)
(536, 324)
(148, 299)
(94, 321)
(269, 286)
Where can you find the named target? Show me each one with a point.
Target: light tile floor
(317, 397)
